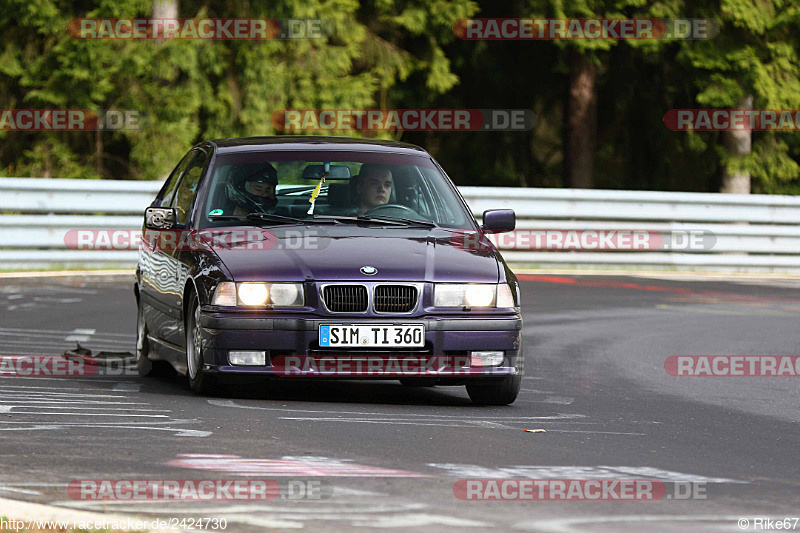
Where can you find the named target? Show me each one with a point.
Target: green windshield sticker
(215, 212)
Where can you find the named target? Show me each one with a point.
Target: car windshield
(394, 190)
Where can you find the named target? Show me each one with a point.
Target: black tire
(418, 382)
(501, 392)
(199, 381)
(144, 366)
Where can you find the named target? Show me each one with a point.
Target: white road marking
(574, 472)
(44, 394)
(60, 332)
(43, 413)
(25, 403)
(5, 488)
(53, 300)
(573, 525)
(286, 466)
(179, 432)
(557, 400)
(59, 346)
(349, 491)
(80, 335)
(82, 380)
(424, 519)
(413, 419)
(58, 401)
(52, 405)
(264, 515)
(14, 335)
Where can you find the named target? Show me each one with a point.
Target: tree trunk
(165, 9)
(98, 152)
(581, 123)
(738, 143)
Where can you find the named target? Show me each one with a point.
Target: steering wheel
(405, 211)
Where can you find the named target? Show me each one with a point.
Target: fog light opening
(486, 358)
(247, 358)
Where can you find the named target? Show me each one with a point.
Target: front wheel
(199, 380)
(501, 392)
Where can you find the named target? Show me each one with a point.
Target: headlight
(286, 294)
(472, 295)
(225, 294)
(479, 295)
(254, 294)
(505, 298)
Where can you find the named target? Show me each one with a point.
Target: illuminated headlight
(472, 295)
(255, 294)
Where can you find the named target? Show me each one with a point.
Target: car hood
(338, 253)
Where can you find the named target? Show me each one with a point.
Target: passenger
(374, 188)
(253, 191)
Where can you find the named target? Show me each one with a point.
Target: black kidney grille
(345, 298)
(395, 298)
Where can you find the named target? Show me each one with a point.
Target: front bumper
(448, 341)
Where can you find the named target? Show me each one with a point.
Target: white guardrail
(750, 233)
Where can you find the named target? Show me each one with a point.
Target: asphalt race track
(385, 456)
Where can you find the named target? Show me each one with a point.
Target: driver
(253, 191)
(374, 188)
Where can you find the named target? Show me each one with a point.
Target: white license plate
(372, 335)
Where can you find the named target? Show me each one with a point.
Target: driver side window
(167, 192)
(187, 190)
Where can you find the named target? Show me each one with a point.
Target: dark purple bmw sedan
(325, 257)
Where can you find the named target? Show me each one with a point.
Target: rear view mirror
(159, 218)
(499, 220)
(336, 172)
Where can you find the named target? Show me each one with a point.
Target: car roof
(308, 142)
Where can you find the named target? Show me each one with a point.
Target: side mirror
(160, 218)
(499, 220)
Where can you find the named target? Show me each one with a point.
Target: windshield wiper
(358, 220)
(408, 221)
(264, 217)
